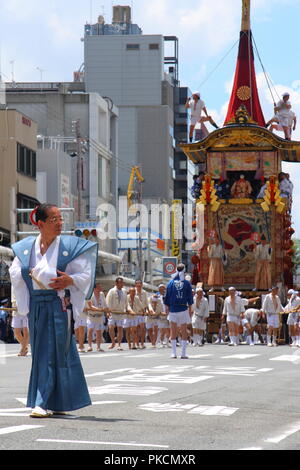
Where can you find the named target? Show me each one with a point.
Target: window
(154, 47)
(132, 47)
(26, 161)
(25, 202)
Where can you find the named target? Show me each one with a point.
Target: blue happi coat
(57, 380)
(179, 295)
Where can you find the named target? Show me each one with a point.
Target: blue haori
(57, 380)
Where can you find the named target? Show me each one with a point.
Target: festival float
(247, 157)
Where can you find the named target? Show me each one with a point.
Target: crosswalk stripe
(23, 427)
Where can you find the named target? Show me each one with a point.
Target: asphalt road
(221, 398)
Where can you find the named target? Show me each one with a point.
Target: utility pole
(79, 168)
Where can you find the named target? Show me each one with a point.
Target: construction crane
(135, 175)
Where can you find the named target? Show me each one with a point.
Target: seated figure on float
(241, 189)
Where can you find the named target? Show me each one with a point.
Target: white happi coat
(272, 305)
(98, 303)
(44, 268)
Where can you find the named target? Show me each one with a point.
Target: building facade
(127, 66)
(18, 156)
(70, 123)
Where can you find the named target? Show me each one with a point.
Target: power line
(218, 64)
(265, 73)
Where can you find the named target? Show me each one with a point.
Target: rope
(249, 34)
(265, 73)
(218, 64)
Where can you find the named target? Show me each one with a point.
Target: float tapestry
(236, 226)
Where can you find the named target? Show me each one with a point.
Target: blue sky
(46, 34)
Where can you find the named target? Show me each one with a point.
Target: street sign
(169, 265)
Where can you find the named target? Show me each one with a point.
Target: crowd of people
(131, 318)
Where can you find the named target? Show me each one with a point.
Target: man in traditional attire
(263, 258)
(179, 301)
(233, 310)
(241, 189)
(19, 325)
(216, 270)
(250, 323)
(196, 105)
(143, 297)
(43, 268)
(80, 326)
(200, 316)
(271, 308)
(3, 319)
(293, 309)
(284, 116)
(154, 313)
(116, 300)
(95, 320)
(134, 309)
(163, 322)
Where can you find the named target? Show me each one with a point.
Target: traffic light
(86, 233)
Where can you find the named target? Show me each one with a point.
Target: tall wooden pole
(246, 23)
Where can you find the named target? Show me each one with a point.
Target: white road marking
(213, 410)
(130, 444)
(292, 430)
(13, 429)
(199, 356)
(115, 371)
(22, 400)
(240, 356)
(190, 408)
(99, 355)
(168, 378)
(168, 367)
(166, 407)
(235, 371)
(287, 357)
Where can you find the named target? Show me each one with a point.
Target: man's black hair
(180, 267)
(42, 212)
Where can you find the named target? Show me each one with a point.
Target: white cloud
(63, 29)
(19, 11)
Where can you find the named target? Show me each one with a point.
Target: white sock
(249, 339)
(232, 339)
(268, 339)
(183, 344)
(173, 341)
